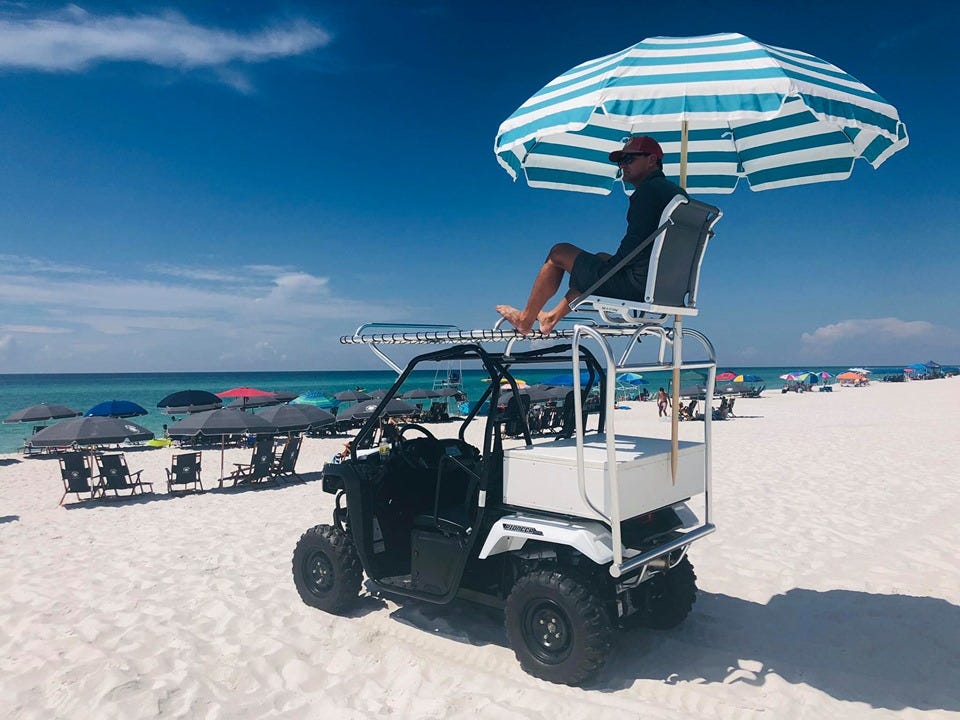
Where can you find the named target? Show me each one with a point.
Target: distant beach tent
(116, 409)
(41, 412)
(850, 375)
(186, 402)
(918, 369)
(90, 431)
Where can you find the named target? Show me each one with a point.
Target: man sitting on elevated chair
(641, 164)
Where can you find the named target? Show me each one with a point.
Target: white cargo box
(545, 476)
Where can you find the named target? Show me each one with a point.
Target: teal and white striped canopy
(775, 116)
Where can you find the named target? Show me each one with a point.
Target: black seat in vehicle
(454, 503)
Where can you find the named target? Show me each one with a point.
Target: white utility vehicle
(574, 533)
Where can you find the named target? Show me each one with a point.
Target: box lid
(631, 451)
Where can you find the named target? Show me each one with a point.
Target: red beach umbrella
(244, 393)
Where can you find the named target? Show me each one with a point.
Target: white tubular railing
(619, 566)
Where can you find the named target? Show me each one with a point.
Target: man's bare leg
(559, 261)
(548, 320)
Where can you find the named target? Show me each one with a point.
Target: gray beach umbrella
(216, 423)
(41, 412)
(365, 410)
(90, 431)
(289, 418)
(420, 394)
(220, 423)
(185, 402)
(352, 396)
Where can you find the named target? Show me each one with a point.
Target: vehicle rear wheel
(670, 596)
(558, 629)
(327, 570)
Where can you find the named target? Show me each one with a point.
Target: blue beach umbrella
(116, 409)
(566, 379)
(316, 398)
(721, 106)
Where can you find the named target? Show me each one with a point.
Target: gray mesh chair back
(184, 470)
(286, 464)
(76, 475)
(673, 275)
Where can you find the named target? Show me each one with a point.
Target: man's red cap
(639, 144)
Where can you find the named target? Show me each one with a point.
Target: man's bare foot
(515, 318)
(546, 322)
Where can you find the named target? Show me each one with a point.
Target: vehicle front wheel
(327, 570)
(558, 629)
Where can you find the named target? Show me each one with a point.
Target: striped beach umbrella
(721, 106)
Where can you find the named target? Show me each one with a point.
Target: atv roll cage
(466, 344)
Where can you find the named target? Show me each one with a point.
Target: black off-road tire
(558, 628)
(327, 570)
(669, 597)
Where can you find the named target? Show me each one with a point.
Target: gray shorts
(588, 268)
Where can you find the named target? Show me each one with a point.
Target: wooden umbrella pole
(677, 335)
(675, 392)
(683, 154)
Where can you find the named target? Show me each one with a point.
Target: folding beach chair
(115, 475)
(184, 470)
(284, 464)
(677, 249)
(515, 415)
(76, 475)
(259, 468)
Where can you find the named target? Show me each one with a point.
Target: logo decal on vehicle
(522, 529)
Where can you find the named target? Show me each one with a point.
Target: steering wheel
(417, 462)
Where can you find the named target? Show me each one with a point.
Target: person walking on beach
(641, 163)
(662, 402)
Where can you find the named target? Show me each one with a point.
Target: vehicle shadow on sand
(889, 651)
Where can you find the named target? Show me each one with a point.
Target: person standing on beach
(662, 402)
(641, 164)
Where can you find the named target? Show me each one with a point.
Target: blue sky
(185, 188)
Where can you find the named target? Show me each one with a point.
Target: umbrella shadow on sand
(8, 518)
(889, 651)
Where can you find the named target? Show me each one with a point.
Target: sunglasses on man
(627, 159)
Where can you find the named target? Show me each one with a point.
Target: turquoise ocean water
(83, 391)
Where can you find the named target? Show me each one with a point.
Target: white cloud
(254, 317)
(883, 329)
(72, 40)
(33, 329)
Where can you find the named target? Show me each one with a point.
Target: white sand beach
(830, 590)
